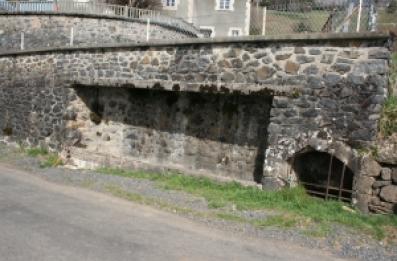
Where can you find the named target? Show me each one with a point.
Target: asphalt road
(45, 221)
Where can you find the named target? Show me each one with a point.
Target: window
(169, 3)
(224, 5)
(235, 31)
(207, 31)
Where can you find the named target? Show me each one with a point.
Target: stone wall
(221, 134)
(326, 94)
(54, 30)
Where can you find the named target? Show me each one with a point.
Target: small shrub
(35, 152)
(52, 160)
(388, 122)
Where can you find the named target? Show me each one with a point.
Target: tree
(144, 4)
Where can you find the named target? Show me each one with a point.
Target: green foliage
(51, 160)
(298, 206)
(35, 152)
(47, 159)
(388, 122)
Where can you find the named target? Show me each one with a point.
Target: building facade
(214, 17)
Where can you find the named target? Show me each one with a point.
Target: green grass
(388, 121)
(298, 206)
(117, 191)
(35, 152)
(51, 160)
(47, 159)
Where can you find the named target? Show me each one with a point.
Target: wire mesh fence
(337, 16)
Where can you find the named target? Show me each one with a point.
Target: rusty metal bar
(342, 178)
(330, 195)
(329, 175)
(324, 187)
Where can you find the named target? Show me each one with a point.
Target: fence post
(148, 30)
(22, 40)
(71, 36)
(264, 20)
(360, 9)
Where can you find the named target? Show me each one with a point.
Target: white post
(22, 40)
(148, 30)
(360, 9)
(264, 20)
(71, 36)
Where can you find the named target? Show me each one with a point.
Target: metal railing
(94, 8)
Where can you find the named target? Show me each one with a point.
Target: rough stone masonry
(240, 109)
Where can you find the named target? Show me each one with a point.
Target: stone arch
(327, 169)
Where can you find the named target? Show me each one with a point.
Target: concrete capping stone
(97, 16)
(315, 38)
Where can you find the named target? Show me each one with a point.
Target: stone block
(363, 201)
(285, 56)
(389, 193)
(314, 51)
(379, 54)
(327, 58)
(369, 167)
(382, 208)
(341, 68)
(265, 73)
(312, 69)
(299, 50)
(386, 173)
(227, 77)
(332, 79)
(291, 67)
(380, 183)
(387, 152)
(302, 59)
(364, 185)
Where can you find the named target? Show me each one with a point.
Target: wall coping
(97, 16)
(296, 38)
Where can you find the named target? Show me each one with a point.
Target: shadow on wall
(224, 134)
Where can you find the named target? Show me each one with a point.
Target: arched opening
(324, 175)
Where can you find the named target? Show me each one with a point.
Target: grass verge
(299, 208)
(388, 122)
(47, 159)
